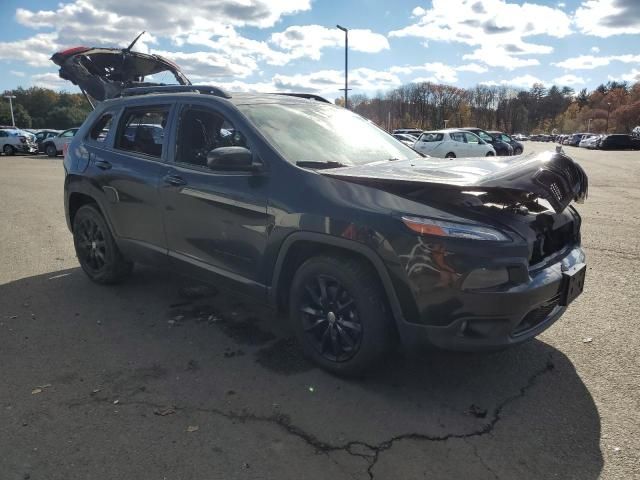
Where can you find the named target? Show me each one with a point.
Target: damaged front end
(103, 73)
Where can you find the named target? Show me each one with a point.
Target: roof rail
(308, 96)
(205, 89)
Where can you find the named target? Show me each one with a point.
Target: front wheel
(96, 249)
(51, 150)
(9, 150)
(450, 155)
(489, 154)
(517, 151)
(339, 315)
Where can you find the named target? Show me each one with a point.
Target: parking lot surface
(157, 379)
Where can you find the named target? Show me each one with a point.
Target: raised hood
(103, 73)
(551, 176)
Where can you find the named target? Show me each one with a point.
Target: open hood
(551, 176)
(103, 73)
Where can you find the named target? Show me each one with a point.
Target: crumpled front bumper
(502, 317)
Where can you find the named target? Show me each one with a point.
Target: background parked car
(575, 139)
(589, 141)
(405, 138)
(14, 141)
(619, 141)
(53, 145)
(453, 143)
(43, 135)
(501, 148)
(635, 133)
(416, 132)
(518, 148)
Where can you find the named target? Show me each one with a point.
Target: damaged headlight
(440, 228)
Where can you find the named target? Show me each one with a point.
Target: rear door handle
(103, 164)
(175, 180)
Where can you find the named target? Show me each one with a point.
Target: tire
(450, 155)
(517, 151)
(345, 339)
(96, 249)
(51, 150)
(490, 154)
(9, 150)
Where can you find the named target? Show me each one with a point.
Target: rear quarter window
(101, 127)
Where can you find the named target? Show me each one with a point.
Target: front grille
(535, 317)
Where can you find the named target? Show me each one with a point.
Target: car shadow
(158, 340)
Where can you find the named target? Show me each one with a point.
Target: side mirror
(230, 158)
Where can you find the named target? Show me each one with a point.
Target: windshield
(324, 134)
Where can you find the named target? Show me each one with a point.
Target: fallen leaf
(35, 391)
(192, 428)
(587, 340)
(164, 411)
(116, 402)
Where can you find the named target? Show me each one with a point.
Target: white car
(53, 145)
(14, 140)
(453, 143)
(589, 141)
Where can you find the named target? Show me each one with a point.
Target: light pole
(11, 97)
(445, 123)
(589, 126)
(346, 65)
(606, 130)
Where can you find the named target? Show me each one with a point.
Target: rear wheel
(338, 312)
(450, 155)
(96, 249)
(517, 151)
(490, 154)
(51, 150)
(9, 150)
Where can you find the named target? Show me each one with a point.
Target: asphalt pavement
(159, 378)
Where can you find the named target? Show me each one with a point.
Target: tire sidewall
(111, 272)
(8, 150)
(51, 150)
(369, 305)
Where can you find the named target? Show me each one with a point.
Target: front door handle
(103, 164)
(174, 180)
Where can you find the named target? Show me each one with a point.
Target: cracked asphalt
(160, 379)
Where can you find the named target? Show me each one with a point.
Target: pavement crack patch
(370, 453)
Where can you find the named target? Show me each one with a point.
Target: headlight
(440, 228)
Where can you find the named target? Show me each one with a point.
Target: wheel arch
(300, 246)
(79, 199)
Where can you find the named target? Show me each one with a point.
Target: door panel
(216, 222)
(129, 181)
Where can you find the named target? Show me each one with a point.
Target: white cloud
(309, 40)
(34, 51)
(498, 28)
(330, 81)
(17, 73)
(595, 49)
(604, 18)
(49, 80)
(520, 81)
(632, 77)
(441, 72)
(472, 67)
(569, 80)
(589, 62)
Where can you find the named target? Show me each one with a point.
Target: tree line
(37, 107)
(611, 107)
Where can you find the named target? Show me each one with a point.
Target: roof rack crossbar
(205, 89)
(308, 96)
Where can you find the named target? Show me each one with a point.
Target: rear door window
(457, 137)
(471, 138)
(142, 130)
(431, 137)
(101, 128)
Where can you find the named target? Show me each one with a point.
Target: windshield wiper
(319, 165)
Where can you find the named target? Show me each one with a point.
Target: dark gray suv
(310, 208)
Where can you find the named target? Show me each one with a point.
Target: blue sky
(293, 44)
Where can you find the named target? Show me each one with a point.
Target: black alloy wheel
(96, 249)
(330, 319)
(338, 309)
(92, 251)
